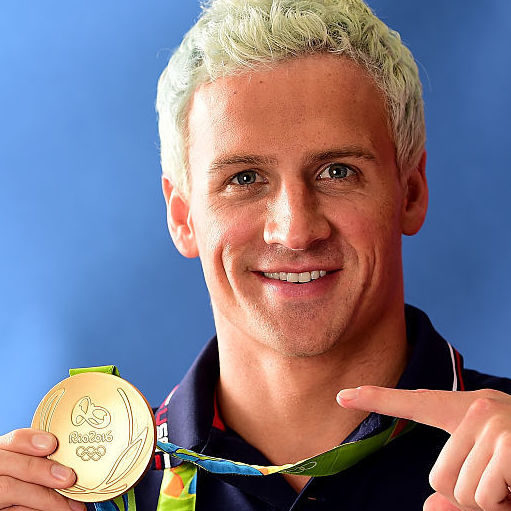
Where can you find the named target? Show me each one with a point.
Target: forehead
(320, 101)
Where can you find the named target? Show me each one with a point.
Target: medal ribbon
(178, 489)
(327, 463)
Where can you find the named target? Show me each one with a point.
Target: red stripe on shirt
(461, 384)
(217, 419)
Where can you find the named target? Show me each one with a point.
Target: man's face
(293, 174)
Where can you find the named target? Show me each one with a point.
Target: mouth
(296, 278)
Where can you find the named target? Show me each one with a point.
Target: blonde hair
(233, 36)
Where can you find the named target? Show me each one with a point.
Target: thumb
(437, 502)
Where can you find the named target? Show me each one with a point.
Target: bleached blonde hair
(234, 36)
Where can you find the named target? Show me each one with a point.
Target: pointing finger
(437, 408)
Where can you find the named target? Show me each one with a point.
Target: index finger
(438, 408)
(29, 441)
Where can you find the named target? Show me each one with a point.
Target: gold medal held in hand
(105, 430)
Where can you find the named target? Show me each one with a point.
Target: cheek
(370, 227)
(222, 236)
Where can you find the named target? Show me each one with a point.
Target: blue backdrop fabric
(88, 275)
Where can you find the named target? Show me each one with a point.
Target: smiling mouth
(296, 278)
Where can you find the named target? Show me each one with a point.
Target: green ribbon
(98, 369)
(327, 463)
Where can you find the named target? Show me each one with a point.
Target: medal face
(105, 430)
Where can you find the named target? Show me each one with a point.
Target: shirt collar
(189, 410)
(434, 363)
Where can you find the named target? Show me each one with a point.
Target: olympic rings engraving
(90, 452)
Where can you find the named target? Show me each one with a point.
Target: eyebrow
(344, 152)
(241, 159)
(310, 158)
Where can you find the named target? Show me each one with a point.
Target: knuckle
(483, 499)
(496, 429)
(494, 425)
(490, 394)
(439, 482)
(15, 440)
(10, 438)
(433, 479)
(481, 407)
(6, 486)
(32, 465)
(462, 497)
(504, 442)
(54, 500)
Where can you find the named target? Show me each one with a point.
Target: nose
(295, 219)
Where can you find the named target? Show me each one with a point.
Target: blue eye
(247, 177)
(336, 171)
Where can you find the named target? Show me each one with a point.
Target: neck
(262, 391)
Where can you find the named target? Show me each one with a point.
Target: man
(293, 161)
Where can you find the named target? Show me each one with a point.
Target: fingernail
(76, 506)
(60, 472)
(347, 395)
(42, 441)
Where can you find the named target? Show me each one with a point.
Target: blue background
(88, 274)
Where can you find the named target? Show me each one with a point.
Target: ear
(415, 202)
(179, 220)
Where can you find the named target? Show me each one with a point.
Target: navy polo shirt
(396, 477)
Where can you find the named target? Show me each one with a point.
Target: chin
(299, 343)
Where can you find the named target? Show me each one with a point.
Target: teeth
(292, 277)
(304, 277)
(300, 278)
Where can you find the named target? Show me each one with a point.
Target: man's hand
(473, 470)
(27, 477)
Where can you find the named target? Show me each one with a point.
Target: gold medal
(105, 430)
